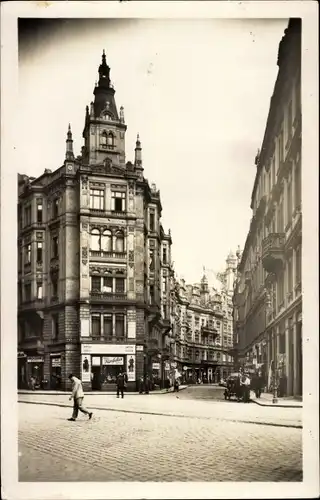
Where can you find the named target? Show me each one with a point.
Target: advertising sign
(85, 368)
(35, 359)
(131, 368)
(112, 349)
(55, 362)
(112, 360)
(167, 366)
(156, 366)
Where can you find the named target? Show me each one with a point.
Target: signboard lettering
(112, 360)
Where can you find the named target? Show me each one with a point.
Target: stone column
(287, 368)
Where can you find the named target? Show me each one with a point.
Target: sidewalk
(266, 400)
(96, 393)
(173, 406)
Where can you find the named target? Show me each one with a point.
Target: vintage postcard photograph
(159, 302)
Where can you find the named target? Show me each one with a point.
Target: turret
(69, 145)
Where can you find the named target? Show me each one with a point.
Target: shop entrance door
(96, 378)
(55, 373)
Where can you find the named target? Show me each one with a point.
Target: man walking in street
(120, 384)
(77, 396)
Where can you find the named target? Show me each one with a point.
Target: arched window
(104, 141)
(110, 139)
(95, 240)
(119, 242)
(106, 241)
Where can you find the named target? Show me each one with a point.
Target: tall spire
(137, 153)
(104, 72)
(69, 145)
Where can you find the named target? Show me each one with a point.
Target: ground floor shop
(101, 364)
(30, 370)
(277, 354)
(207, 374)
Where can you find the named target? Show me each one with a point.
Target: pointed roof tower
(69, 145)
(104, 92)
(137, 154)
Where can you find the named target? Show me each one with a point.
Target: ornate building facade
(268, 298)
(202, 336)
(94, 268)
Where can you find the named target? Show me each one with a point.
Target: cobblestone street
(117, 446)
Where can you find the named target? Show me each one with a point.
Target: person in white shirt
(77, 396)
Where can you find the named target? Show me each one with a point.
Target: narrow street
(169, 438)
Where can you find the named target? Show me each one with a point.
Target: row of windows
(98, 197)
(107, 284)
(108, 325)
(27, 250)
(28, 219)
(105, 242)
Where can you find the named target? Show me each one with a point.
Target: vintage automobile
(233, 387)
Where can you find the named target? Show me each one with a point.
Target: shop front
(35, 371)
(101, 364)
(55, 371)
(22, 377)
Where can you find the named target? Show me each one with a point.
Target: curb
(98, 393)
(274, 405)
(141, 412)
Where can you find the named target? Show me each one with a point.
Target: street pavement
(119, 446)
(193, 402)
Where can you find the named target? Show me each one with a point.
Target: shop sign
(55, 362)
(167, 366)
(35, 359)
(139, 348)
(156, 366)
(114, 349)
(131, 368)
(112, 360)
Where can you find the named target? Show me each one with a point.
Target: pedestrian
(32, 383)
(147, 385)
(77, 396)
(141, 385)
(120, 384)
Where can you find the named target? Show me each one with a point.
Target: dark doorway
(96, 378)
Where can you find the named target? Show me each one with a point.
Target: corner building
(92, 259)
(268, 293)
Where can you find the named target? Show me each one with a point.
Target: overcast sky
(198, 93)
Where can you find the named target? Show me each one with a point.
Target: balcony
(108, 297)
(209, 330)
(273, 252)
(34, 305)
(108, 255)
(108, 339)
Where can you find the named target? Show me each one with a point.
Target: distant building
(94, 267)
(203, 328)
(268, 299)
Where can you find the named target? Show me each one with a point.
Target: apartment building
(202, 338)
(94, 263)
(268, 292)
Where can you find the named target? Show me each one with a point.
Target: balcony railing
(109, 339)
(108, 255)
(31, 304)
(108, 296)
(273, 252)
